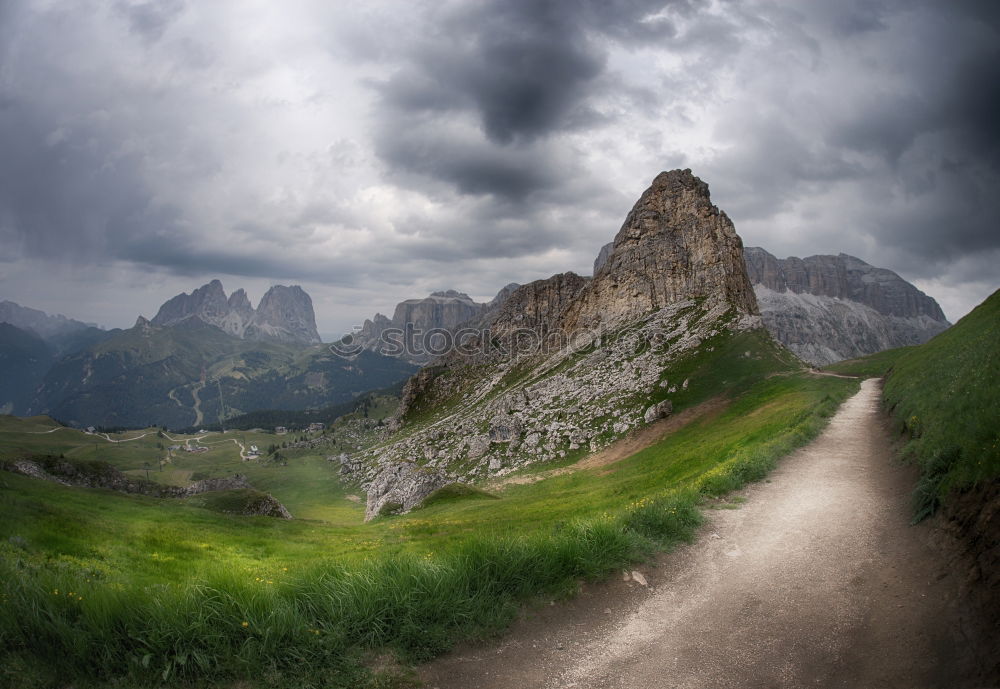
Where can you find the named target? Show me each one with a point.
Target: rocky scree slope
(569, 364)
(284, 314)
(829, 308)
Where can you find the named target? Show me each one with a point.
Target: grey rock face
(843, 277)
(400, 487)
(539, 305)
(674, 245)
(603, 256)
(285, 314)
(444, 310)
(829, 308)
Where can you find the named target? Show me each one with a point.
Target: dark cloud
(150, 18)
(519, 72)
(393, 144)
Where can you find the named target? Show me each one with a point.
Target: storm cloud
(378, 152)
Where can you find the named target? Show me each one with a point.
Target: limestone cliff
(828, 308)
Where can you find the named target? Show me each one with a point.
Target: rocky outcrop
(284, 314)
(401, 487)
(829, 308)
(97, 474)
(537, 306)
(571, 363)
(674, 245)
(602, 256)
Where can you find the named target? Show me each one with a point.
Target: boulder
(659, 410)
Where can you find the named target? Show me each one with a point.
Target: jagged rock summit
(828, 308)
(570, 363)
(675, 244)
(284, 314)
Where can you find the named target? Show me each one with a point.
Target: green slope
(946, 393)
(167, 586)
(24, 359)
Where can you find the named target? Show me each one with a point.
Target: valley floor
(817, 579)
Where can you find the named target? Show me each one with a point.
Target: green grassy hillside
(946, 393)
(24, 359)
(100, 587)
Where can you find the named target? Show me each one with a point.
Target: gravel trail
(816, 580)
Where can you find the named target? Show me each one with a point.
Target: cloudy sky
(376, 151)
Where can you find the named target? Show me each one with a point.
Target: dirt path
(623, 447)
(816, 580)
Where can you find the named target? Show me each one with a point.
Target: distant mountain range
(823, 308)
(284, 314)
(204, 356)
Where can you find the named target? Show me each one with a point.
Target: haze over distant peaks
(284, 314)
(39, 322)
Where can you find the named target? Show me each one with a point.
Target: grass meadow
(104, 589)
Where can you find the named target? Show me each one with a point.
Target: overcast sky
(376, 151)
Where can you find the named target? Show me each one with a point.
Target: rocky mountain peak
(675, 244)
(844, 277)
(572, 361)
(284, 314)
(502, 295)
(240, 302)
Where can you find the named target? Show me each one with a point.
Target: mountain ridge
(828, 308)
(284, 314)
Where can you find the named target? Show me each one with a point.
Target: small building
(316, 426)
(253, 448)
(280, 430)
(91, 430)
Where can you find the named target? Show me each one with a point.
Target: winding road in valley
(816, 580)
